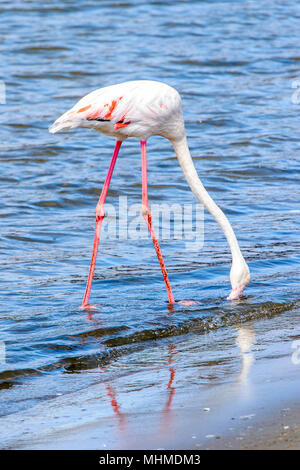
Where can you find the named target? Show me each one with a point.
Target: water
(235, 64)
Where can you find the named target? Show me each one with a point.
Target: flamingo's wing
(98, 106)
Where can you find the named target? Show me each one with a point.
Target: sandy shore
(174, 407)
(281, 431)
(264, 428)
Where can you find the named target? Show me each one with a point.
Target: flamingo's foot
(87, 306)
(236, 292)
(188, 303)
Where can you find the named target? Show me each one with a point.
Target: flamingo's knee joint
(100, 214)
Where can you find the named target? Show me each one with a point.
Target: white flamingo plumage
(141, 109)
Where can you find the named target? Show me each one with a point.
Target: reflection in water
(115, 405)
(170, 387)
(112, 396)
(110, 390)
(166, 414)
(170, 308)
(245, 341)
(166, 409)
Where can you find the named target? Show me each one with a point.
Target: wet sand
(279, 432)
(174, 407)
(265, 428)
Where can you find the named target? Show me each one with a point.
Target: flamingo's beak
(237, 292)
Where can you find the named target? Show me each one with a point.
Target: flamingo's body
(141, 109)
(132, 109)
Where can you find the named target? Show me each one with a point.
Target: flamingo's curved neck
(185, 160)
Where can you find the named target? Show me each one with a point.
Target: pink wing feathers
(94, 108)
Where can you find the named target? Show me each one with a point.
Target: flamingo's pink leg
(99, 217)
(148, 218)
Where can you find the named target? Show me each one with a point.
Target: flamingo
(141, 109)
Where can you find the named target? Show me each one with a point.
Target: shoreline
(168, 408)
(274, 428)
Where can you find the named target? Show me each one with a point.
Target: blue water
(235, 64)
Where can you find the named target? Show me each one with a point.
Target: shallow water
(235, 65)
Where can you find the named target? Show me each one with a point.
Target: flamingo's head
(239, 278)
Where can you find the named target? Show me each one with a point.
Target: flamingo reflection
(245, 341)
(171, 389)
(111, 391)
(116, 408)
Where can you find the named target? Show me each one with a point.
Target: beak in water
(236, 292)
